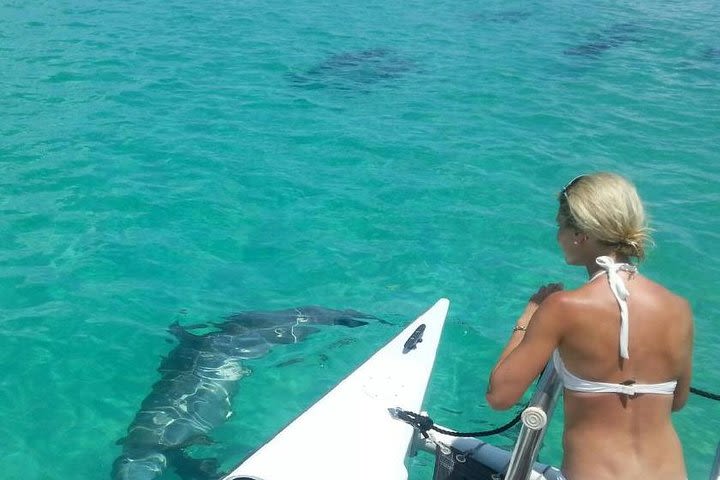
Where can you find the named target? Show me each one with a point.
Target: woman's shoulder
(579, 297)
(646, 286)
(566, 302)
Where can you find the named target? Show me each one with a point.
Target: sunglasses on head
(569, 185)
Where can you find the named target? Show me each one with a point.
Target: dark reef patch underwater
(355, 70)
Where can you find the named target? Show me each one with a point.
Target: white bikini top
(619, 290)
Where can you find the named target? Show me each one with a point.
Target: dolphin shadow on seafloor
(615, 36)
(199, 378)
(503, 16)
(711, 54)
(354, 70)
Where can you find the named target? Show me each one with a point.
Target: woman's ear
(580, 237)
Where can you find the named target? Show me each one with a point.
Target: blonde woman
(621, 343)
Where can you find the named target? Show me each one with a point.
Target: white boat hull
(349, 433)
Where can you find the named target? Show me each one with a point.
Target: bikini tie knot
(621, 293)
(628, 390)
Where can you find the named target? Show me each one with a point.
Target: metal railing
(535, 419)
(715, 472)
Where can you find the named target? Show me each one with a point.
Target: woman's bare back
(610, 435)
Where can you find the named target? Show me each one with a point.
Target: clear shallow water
(174, 161)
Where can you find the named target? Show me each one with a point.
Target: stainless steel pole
(715, 472)
(535, 419)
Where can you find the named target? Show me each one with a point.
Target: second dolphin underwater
(198, 380)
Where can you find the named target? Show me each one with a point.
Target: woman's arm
(682, 390)
(527, 351)
(518, 331)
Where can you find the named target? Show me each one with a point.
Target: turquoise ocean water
(179, 160)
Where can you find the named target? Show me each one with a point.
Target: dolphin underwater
(198, 380)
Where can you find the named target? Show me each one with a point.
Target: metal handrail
(535, 419)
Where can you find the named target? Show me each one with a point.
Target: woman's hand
(543, 292)
(536, 299)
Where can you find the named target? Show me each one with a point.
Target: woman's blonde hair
(607, 206)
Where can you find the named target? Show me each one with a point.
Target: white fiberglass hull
(349, 433)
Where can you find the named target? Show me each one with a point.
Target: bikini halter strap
(621, 293)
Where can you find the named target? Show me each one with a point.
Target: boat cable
(424, 423)
(703, 393)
